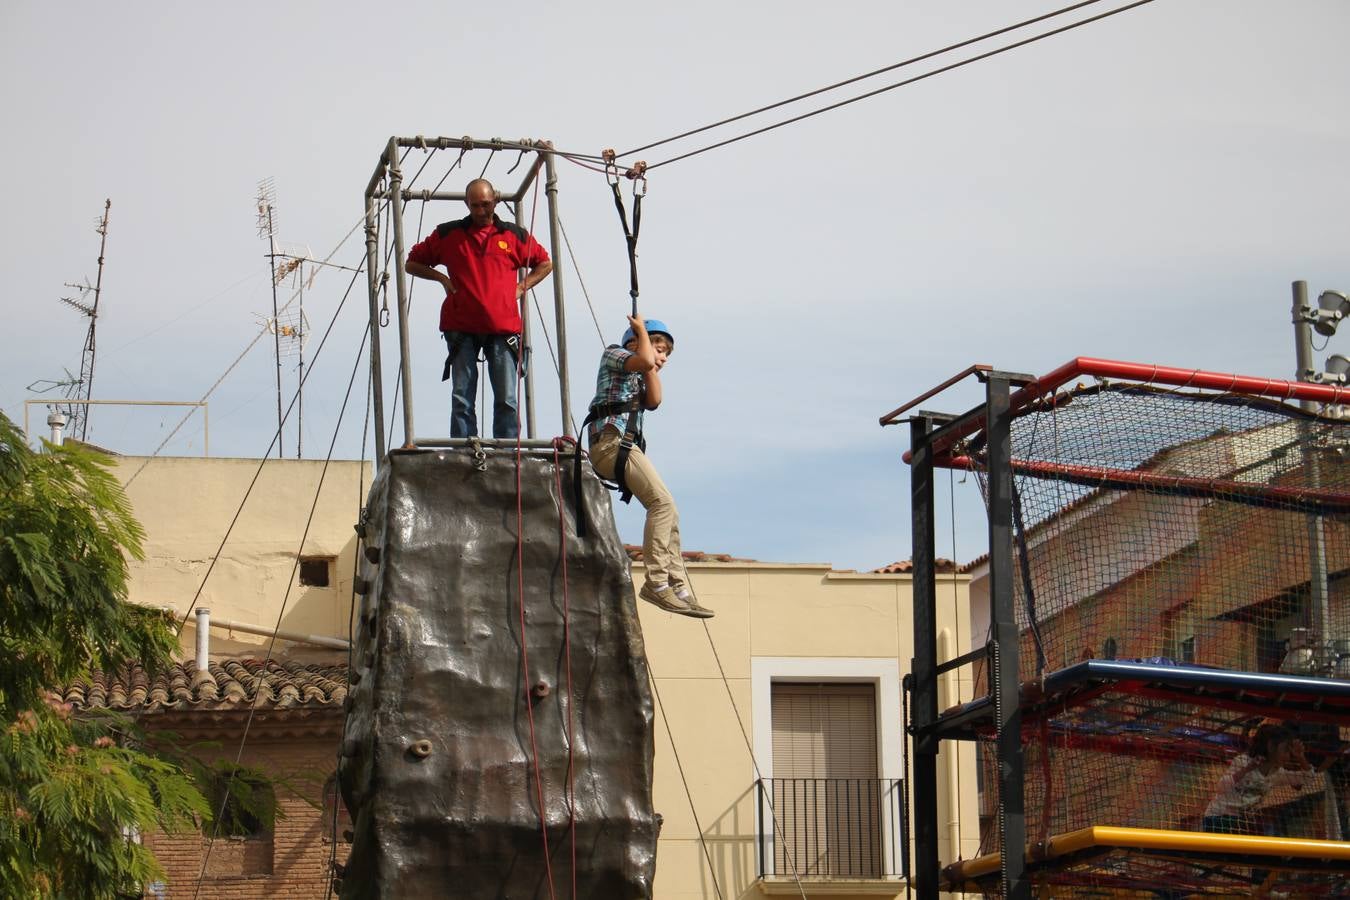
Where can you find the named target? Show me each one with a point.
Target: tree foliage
(73, 789)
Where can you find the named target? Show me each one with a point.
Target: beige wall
(186, 505)
(779, 622)
(774, 621)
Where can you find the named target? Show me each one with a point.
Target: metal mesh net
(1188, 529)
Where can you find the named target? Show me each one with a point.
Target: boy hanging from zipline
(627, 385)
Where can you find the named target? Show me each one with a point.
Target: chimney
(203, 638)
(57, 422)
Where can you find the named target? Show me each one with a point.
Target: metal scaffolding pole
(924, 664)
(401, 281)
(526, 339)
(1318, 590)
(373, 288)
(1006, 668)
(559, 310)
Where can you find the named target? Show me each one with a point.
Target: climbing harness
(632, 437)
(638, 175)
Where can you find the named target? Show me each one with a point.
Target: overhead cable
(855, 79)
(899, 84)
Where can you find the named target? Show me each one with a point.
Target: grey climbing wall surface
(437, 761)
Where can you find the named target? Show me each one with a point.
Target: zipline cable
(863, 77)
(262, 462)
(272, 641)
(900, 84)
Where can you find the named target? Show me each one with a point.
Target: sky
(1142, 188)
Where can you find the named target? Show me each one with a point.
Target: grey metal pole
(276, 329)
(526, 342)
(1007, 665)
(401, 279)
(559, 310)
(1318, 591)
(373, 288)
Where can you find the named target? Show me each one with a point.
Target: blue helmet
(654, 326)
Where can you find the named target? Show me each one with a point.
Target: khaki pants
(661, 535)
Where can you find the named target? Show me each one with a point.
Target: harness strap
(632, 435)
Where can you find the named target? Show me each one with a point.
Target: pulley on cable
(638, 175)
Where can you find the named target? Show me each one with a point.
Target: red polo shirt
(483, 263)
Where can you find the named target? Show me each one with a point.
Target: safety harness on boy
(632, 437)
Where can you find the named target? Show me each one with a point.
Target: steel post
(1006, 667)
(400, 279)
(526, 340)
(924, 664)
(559, 310)
(1318, 590)
(373, 287)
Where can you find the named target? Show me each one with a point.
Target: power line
(899, 84)
(863, 77)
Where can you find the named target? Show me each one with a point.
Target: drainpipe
(951, 695)
(57, 422)
(203, 639)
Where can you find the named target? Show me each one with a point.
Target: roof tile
(228, 684)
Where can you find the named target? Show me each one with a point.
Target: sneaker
(687, 597)
(663, 597)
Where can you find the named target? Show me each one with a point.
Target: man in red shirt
(481, 311)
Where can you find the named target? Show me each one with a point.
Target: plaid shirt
(614, 385)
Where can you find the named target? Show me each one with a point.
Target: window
(243, 809)
(818, 718)
(1187, 648)
(314, 570)
(825, 789)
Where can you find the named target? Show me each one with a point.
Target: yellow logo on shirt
(503, 245)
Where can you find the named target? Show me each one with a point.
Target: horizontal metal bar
(294, 637)
(64, 402)
(972, 656)
(470, 143)
(890, 417)
(426, 443)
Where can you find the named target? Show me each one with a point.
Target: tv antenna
(267, 225)
(78, 389)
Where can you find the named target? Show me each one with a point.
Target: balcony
(840, 836)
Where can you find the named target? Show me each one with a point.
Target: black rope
(857, 78)
(900, 84)
(745, 736)
(637, 175)
(712, 873)
(262, 462)
(271, 644)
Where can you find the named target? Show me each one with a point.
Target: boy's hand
(639, 327)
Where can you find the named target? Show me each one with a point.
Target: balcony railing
(831, 827)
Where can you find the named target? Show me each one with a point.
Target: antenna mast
(83, 387)
(267, 229)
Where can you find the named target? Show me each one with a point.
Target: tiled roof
(905, 566)
(227, 685)
(635, 554)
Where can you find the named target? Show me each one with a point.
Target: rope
(524, 641)
(637, 175)
(900, 84)
(585, 293)
(558, 444)
(745, 736)
(651, 677)
(271, 644)
(351, 617)
(857, 78)
(262, 462)
(240, 358)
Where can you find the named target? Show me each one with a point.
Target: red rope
(524, 642)
(558, 444)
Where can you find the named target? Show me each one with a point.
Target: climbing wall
(456, 748)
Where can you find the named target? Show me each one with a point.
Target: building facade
(779, 726)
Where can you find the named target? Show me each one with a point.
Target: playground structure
(1167, 572)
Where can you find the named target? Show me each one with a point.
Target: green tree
(74, 787)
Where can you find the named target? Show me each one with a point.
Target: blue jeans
(501, 366)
